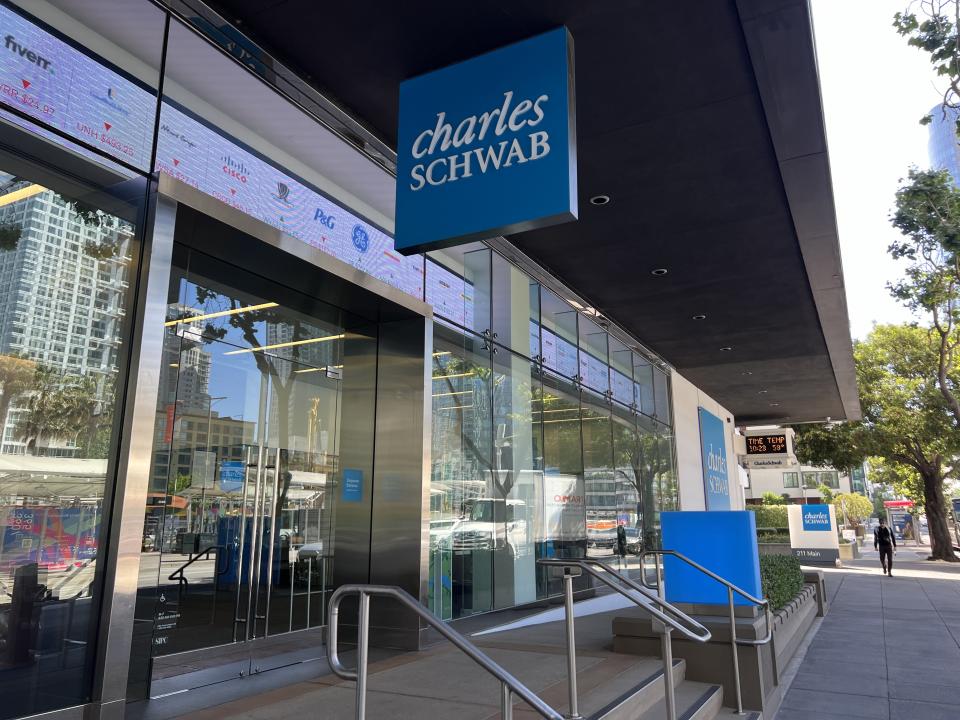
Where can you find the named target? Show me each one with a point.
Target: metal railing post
(506, 702)
(568, 576)
(363, 630)
(736, 655)
(669, 694)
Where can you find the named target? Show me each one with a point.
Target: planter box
(711, 662)
(849, 551)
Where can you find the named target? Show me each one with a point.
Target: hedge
(781, 578)
(770, 516)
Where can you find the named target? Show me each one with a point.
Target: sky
(875, 90)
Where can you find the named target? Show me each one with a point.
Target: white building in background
(799, 483)
(61, 299)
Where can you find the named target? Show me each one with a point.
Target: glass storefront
(547, 431)
(67, 252)
(540, 444)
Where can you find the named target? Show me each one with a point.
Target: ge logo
(361, 241)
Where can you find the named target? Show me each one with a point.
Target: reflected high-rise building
(943, 146)
(64, 272)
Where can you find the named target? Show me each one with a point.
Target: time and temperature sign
(772, 444)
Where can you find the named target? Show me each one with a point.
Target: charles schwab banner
(488, 146)
(713, 449)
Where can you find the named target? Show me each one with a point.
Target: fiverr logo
(10, 42)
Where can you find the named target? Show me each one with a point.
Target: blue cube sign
(713, 450)
(488, 146)
(816, 517)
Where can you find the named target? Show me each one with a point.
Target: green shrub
(770, 516)
(781, 578)
(773, 537)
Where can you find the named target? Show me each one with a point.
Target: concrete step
(695, 701)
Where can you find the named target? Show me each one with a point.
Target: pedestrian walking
(886, 543)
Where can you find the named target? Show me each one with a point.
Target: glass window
(594, 364)
(558, 335)
(791, 480)
(643, 385)
(810, 480)
(58, 415)
(515, 306)
(831, 479)
(621, 372)
(599, 476)
(463, 498)
(458, 286)
(517, 477)
(661, 392)
(563, 528)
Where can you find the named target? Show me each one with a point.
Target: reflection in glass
(467, 509)
(65, 273)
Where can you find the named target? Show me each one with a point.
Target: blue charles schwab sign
(488, 146)
(713, 449)
(816, 517)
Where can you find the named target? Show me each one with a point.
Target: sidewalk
(889, 649)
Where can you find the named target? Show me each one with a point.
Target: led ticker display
(47, 78)
(772, 444)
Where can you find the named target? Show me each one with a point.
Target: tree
(928, 214)
(905, 421)
(931, 26)
(16, 376)
(58, 407)
(771, 498)
(854, 506)
(904, 480)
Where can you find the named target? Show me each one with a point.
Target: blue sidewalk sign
(487, 147)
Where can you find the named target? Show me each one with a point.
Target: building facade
(225, 394)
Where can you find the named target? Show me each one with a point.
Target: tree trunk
(941, 542)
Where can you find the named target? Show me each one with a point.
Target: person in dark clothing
(621, 541)
(885, 542)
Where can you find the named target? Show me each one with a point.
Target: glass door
(245, 462)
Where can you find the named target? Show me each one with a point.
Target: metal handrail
(179, 571)
(670, 624)
(509, 685)
(731, 589)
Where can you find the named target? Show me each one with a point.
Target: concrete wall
(687, 398)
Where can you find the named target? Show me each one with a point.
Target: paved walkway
(889, 649)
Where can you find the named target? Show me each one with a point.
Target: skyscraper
(943, 146)
(64, 273)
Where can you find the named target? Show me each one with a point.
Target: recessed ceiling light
(774, 404)
(746, 372)
(726, 349)
(599, 199)
(699, 317)
(659, 271)
(762, 392)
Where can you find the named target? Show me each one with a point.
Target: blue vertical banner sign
(487, 147)
(713, 450)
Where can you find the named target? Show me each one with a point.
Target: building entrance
(246, 473)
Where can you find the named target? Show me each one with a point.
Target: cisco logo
(361, 240)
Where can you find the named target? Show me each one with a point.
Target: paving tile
(931, 691)
(821, 682)
(917, 710)
(840, 704)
